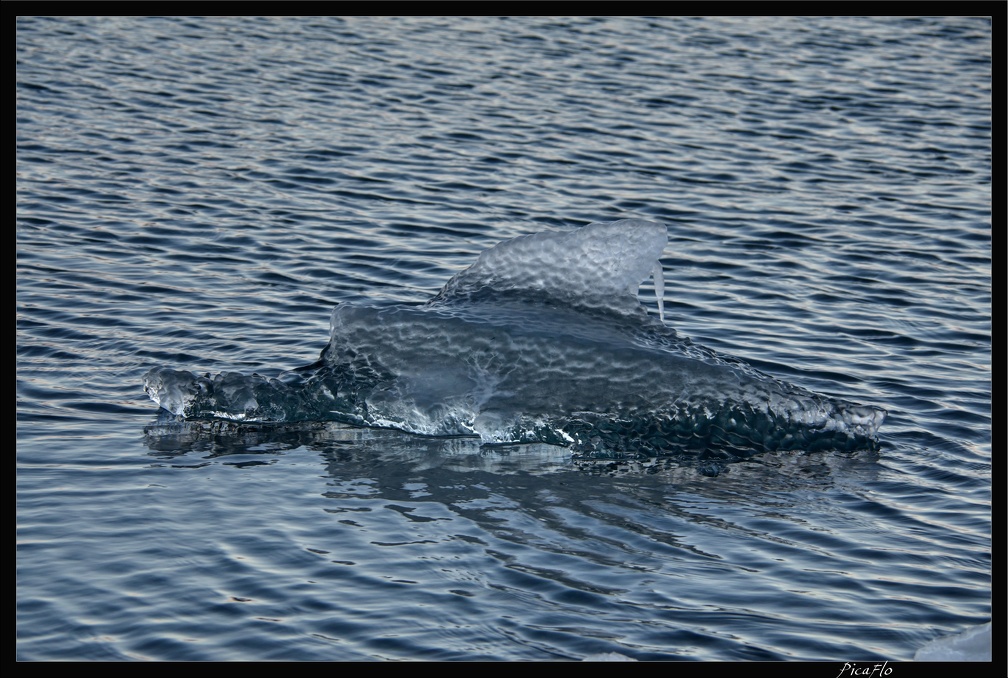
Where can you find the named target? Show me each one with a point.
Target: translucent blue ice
(542, 339)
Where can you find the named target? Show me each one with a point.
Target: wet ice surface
(972, 645)
(542, 340)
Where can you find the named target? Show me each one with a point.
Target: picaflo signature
(865, 670)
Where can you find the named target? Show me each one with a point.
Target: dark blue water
(200, 194)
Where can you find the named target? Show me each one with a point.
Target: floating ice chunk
(972, 645)
(542, 339)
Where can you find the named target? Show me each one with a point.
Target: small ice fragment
(972, 645)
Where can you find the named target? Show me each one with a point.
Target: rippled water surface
(200, 194)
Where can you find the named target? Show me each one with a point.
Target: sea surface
(199, 194)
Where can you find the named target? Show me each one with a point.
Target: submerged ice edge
(542, 339)
(735, 426)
